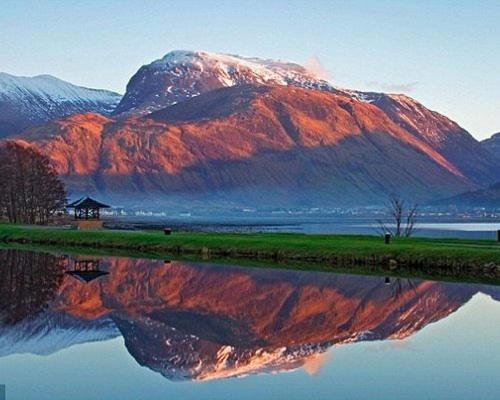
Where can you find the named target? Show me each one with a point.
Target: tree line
(31, 191)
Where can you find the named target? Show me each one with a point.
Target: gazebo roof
(87, 202)
(87, 276)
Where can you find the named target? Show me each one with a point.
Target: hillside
(264, 145)
(489, 198)
(492, 145)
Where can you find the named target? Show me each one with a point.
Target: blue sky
(446, 54)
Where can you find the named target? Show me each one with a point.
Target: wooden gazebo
(87, 208)
(87, 213)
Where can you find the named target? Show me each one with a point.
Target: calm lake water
(475, 228)
(153, 329)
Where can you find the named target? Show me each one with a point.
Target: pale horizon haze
(445, 54)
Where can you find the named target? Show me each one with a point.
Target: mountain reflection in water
(191, 321)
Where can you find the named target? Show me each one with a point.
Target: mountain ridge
(277, 140)
(243, 130)
(182, 74)
(492, 145)
(29, 101)
(488, 197)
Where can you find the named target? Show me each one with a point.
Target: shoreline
(446, 258)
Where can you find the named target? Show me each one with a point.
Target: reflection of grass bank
(455, 258)
(373, 270)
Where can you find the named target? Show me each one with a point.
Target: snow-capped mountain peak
(183, 74)
(51, 88)
(26, 101)
(233, 67)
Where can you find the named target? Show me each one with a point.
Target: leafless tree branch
(402, 218)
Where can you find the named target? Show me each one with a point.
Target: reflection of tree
(400, 285)
(28, 281)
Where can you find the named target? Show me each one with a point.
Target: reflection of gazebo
(87, 208)
(86, 270)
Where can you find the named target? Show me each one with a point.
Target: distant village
(358, 212)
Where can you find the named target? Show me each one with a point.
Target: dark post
(498, 235)
(387, 238)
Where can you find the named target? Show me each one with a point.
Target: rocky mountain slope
(442, 134)
(181, 75)
(251, 144)
(25, 102)
(211, 127)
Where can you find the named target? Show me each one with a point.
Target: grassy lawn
(265, 245)
(440, 259)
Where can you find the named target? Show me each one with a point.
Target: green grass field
(461, 255)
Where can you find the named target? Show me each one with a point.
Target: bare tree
(31, 191)
(399, 286)
(411, 220)
(402, 218)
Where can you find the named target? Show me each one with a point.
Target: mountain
(181, 75)
(261, 145)
(25, 101)
(50, 332)
(492, 145)
(191, 321)
(445, 136)
(489, 198)
(215, 128)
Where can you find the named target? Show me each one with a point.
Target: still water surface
(474, 228)
(150, 329)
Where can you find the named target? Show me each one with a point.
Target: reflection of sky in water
(456, 358)
(468, 227)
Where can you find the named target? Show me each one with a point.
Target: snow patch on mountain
(49, 88)
(26, 101)
(232, 363)
(233, 69)
(182, 74)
